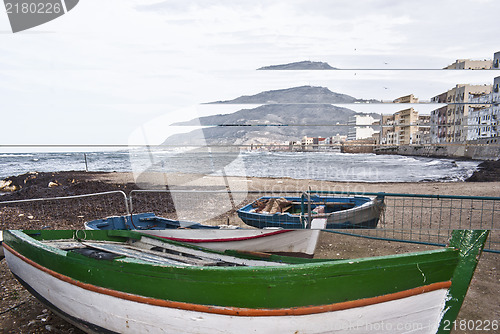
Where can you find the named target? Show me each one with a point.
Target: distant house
(406, 99)
(318, 141)
(468, 64)
(337, 139)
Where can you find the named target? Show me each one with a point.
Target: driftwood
(272, 205)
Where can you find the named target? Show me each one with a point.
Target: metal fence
(429, 219)
(415, 218)
(69, 212)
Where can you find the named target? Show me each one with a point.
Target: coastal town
(467, 116)
(242, 167)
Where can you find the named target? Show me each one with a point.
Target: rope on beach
(12, 308)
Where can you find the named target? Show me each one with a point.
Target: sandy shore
(21, 313)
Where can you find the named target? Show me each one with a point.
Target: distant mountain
(267, 123)
(300, 65)
(302, 94)
(285, 114)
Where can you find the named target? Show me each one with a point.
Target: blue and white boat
(271, 240)
(293, 212)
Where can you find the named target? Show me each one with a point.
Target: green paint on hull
(305, 283)
(471, 244)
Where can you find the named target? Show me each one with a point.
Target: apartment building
(423, 135)
(450, 124)
(483, 119)
(405, 127)
(360, 127)
(406, 99)
(438, 126)
(468, 64)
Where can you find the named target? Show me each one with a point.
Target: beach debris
(31, 176)
(272, 205)
(227, 226)
(6, 185)
(53, 184)
(43, 317)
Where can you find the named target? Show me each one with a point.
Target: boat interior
(153, 251)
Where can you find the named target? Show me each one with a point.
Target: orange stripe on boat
(238, 311)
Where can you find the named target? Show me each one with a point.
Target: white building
(307, 141)
(360, 127)
(336, 139)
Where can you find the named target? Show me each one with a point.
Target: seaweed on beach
(69, 213)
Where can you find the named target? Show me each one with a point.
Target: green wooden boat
(127, 282)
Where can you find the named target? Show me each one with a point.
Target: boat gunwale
(238, 311)
(144, 216)
(342, 265)
(246, 209)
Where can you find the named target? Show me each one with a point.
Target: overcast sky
(100, 72)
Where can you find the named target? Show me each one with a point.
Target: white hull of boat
(359, 215)
(272, 241)
(293, 242)
(94, 309)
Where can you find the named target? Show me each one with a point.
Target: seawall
(485, 149)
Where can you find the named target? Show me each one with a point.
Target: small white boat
(272, 240)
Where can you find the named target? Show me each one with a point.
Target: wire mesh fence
(213, 207)
(429, 219)
(68, 212)
(417, 218)
(424, 219)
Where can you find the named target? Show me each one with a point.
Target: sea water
(328, 166)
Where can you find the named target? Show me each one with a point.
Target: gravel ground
(22, 313)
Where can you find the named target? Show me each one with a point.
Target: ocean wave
(16, 155)
(328, 166)
(434, 163)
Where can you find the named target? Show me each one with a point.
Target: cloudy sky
(107, 68)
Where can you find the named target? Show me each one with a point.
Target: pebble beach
(22, 313)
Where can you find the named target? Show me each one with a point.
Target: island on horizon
(300, 65)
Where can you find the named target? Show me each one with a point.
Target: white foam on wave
(16, 155)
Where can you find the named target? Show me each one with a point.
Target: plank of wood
(63, 244)
(138, 254)
(205, 255)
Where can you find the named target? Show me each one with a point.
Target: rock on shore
(488, 171)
